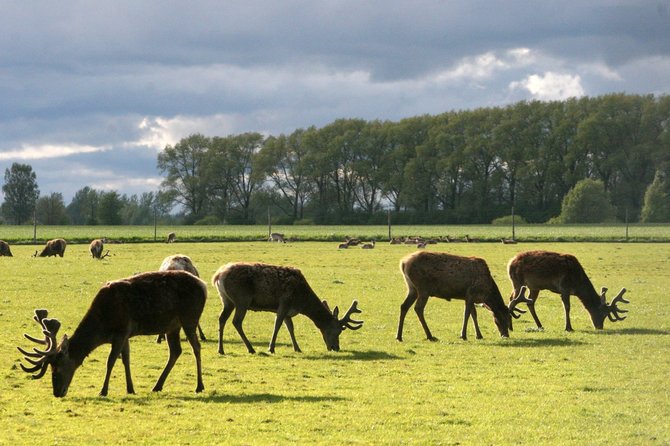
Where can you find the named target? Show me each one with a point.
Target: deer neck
(85, 339)
(317, 312)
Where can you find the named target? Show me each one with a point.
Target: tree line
(456, 167)
(601, 158)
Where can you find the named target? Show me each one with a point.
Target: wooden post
(626, 224)
(155, 224)
(269, 224)
(35, 226)
(513, 226)
(388, 218)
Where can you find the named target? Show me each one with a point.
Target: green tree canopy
(51, 210)
(21, 193)
(587, 202)
(656, 207)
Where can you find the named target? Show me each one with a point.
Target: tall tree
(50, 209)
(109, 210)
(21, 193)
(83, 209)
(185, 167)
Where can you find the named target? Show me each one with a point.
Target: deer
(370, 245)
(180, 262)
(171, 237)
(282, 290)
(55, 247)
(508, 241)
(276, 237)
(144, 304)
(448, 276)
(4, 249)
(395, 241)
(96, 247)
(564, 275)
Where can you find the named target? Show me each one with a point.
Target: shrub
(207, 221)
(587, 202)
(656, 208)
(507, 220)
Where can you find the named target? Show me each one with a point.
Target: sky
(92, 91)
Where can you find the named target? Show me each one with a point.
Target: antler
(347, 321)
(521, 297)
(50, 328)
(613, 311)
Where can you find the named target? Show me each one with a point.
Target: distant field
(536, 388)
(488, 233)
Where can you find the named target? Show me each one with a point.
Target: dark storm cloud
(84, 82)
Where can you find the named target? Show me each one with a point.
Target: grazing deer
(282, 290)
(180, 262)
(449, 277)
(564, 275)
(171, 237)
(55, 247)
(370, 245)
(149, 303)
(276, 237)
(4, 249)
(96, 248)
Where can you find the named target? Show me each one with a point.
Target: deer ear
(336, 312)
(64, 345)
(325, 304)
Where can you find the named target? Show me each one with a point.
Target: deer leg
(418, 308)
(125, 358)
(281, 315)
(201, 333)
(223, 317)
(117, 347)
(566, 307)
(175, 351)
(237, 323)
(531, 307)
(469, 307)
(478, 333)
(160, 338)
(195, 345)
(289, 326)
(404, 308)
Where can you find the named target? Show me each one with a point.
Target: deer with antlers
(282, 290)
(96, 247)
(448, 276)
(564, 275)
(144, 304)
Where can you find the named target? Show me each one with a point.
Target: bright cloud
(551, 86)
(36, 152)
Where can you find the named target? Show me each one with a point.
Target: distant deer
(449, 277)
(564, 275)
(282, 290)
(55, 247)
(352, 241)
(144, 304)
(276, 237)
(344, 245)
(395, 241)
(507, 241)
(96, 248)
(171, 237)
(180, 262)
(370, 245)
(4, 249)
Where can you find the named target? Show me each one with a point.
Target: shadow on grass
(632, 331)
(539, 342)
(369, 355)
(150, 398)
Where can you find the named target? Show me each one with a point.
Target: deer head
(62, 366)
(331, 332)
(515, 312)
(611, 310)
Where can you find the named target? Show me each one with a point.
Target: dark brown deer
(180, 262)
(171, 237)
(55, 247)
(564, 275)
(144, 304)
(282, 290)
(370, 245)
(4, 249)
(96, 247)
(449, 277)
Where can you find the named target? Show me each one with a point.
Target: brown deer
(96, 248)
(449, 277)
(282, 290)
(4, 249)
(564, 275)
(370, 245)
(180, 262)
(171, 237)
(144, 304)
(55, 247)
(276, 237)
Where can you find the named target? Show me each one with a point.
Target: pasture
(551, 387)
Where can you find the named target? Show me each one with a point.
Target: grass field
(587, 387)
(490, 233)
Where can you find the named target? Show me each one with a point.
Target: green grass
(587, 387)
(489, 233)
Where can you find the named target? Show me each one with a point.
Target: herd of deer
(166, 301)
